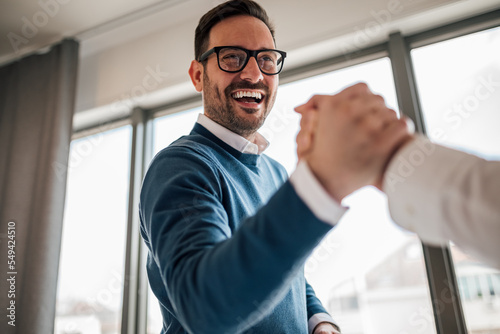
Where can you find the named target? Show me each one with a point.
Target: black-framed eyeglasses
(233, 59)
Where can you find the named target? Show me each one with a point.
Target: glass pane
(90, 284)
(167, 129)
(170, 127)
(367, 272)
(459, 86)
(155, 320)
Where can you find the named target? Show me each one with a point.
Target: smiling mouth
(248, 97)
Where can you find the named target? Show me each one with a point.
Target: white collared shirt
(232, 139)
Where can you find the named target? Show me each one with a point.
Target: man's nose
(252, 72)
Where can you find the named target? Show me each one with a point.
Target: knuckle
(361, 85)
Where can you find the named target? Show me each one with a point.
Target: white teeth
(241, 94)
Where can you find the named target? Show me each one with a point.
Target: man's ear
(196, 74)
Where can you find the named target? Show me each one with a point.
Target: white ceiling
(30, 25)
(27, 26)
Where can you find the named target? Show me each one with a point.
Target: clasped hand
(348, 139)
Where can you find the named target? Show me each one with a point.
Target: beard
(219, 106)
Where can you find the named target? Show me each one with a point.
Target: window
(166, 130)
(459, 86)
(90, 286)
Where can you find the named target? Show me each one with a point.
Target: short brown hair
(224, 11)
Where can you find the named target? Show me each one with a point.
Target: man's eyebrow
(262, 48)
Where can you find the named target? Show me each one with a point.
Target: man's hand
(347, 139)
(325, 328)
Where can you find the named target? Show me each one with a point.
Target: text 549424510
(11, 273)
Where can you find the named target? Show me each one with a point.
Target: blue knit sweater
(227, 238)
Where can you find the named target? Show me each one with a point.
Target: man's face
(243, 116)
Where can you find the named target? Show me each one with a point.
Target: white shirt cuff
(318, 318)
(315, 196)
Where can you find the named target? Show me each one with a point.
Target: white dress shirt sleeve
(315, 196)
(443, 194)
(318, 318)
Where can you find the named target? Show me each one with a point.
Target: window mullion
(143, 286)
(446, 303)
(135, 284)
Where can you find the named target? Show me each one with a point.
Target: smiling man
(227, 233)
(240, 105)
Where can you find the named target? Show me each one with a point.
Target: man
(227, 234)
(437, 192)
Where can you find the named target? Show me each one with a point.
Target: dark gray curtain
(37, 95)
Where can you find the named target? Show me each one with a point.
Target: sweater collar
(234, 140)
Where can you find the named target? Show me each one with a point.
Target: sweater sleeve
(219, 282)
(314, 306)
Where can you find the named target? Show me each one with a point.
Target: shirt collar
(232, 139)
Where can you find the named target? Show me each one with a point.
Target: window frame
(446, 300)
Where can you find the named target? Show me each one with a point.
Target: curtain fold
(37, 98)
